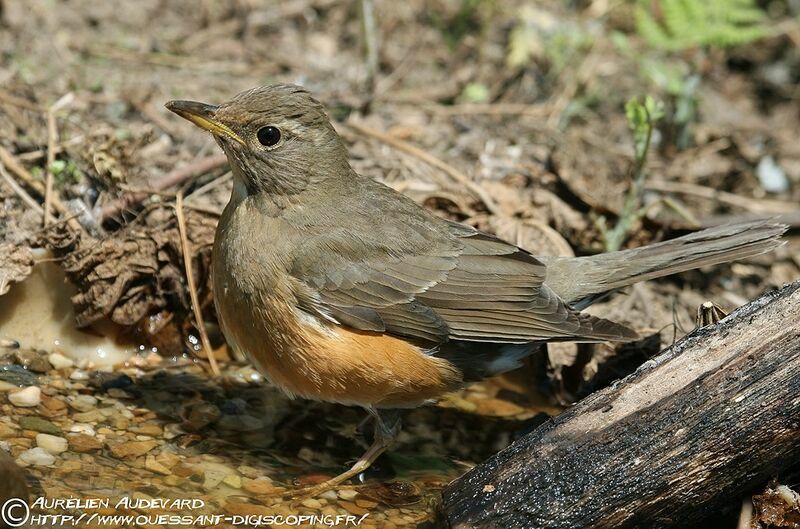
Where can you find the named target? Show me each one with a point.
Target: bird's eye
(268, 136)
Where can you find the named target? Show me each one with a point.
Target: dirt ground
(506, 115)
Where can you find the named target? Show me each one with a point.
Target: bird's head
(278, 138)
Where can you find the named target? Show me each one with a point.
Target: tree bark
(708, 420)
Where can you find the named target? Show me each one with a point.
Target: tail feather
(581, 280)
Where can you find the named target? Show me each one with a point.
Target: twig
(370, 34)
(748, 204)
(745, 514)
(187, 263)
(32, 156)
(20, 191)
(52, 138)
(16, 168)
(174, 177)
(11, 99)
(213, 184)
(428, 158)
(214, 212)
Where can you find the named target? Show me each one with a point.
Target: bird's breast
(304, 354)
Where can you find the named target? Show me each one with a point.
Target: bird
(340, 289)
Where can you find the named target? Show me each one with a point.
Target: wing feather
(458, 284)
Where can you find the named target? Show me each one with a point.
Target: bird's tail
(582, 280)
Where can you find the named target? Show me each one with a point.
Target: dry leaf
(138, 271)
(16, 263)
(777, 506)
(536, 237)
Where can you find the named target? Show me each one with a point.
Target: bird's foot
(385, 433)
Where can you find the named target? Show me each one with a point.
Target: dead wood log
(706, 422)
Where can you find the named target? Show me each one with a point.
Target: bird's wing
(460, 284)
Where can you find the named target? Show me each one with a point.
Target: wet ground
(161, 430)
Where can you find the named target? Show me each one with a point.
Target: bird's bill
(202, 115)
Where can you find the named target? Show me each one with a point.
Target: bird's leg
(387, 426)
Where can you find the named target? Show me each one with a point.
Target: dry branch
(693, 430)
(16, 168)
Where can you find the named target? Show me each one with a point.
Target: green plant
(683, 24)
(675, 79)
(65, 172)
(475, 93)
(642, 118)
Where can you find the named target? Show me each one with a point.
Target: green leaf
(684, 24)
(475, 93)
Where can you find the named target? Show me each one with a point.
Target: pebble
(37, 457)
(83, 403)
(70, 466)
(26, 398)
(32, 360)
(6, 386)
(258, 486)
(51, 443)
(59, 361)
(348, 494)
(311, 503)
(84, 443)
(89, 416)
(213, 474)
(79, 374)
(152, 464)
(152, 430)
(233, 481)
(6, 431)
(771, 176)
(82, 428)
(37, 424)
(173, 430)
(352, 508)
(168, 459)
(16, 374)
(118, 393)
(328, 495)
(249, 472)
(247, 509)
(131, 449)
(53, 404)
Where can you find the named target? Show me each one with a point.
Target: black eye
(268, 136)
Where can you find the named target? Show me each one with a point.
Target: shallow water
(158, 430)
(38, 314)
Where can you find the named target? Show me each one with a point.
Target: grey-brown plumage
(371, 259)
